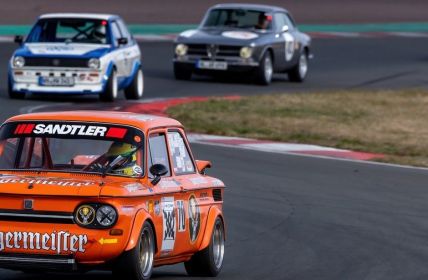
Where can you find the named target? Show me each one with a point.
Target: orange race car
(120, 191)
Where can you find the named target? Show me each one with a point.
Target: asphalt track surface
(350, 63)
(294, 217)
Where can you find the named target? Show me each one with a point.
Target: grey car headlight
(18, 61)
(246, 52)
(181, 49)
(94, 63)
(106, 216)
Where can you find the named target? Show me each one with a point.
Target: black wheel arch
(148, 220)
(269, 49)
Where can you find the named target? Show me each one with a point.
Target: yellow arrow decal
(103, 241)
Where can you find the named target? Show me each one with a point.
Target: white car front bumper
(85, 81)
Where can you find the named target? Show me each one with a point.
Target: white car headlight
(181, 49)
(94, 63)
(246, 52)
(18, 61)
(106, 216)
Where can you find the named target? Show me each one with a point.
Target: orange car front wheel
(209, 261)
(137, 264)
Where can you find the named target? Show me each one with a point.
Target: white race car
(77, 54)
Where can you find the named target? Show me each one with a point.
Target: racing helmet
(99, 32)
(129, 165)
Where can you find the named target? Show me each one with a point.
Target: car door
(131, 51)
(193, 206)
(164, 206)
(118, 54)
(286, 39)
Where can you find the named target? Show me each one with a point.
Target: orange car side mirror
(202, 165)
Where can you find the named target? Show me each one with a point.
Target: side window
(158, 152)
(181, 160)
(289, 21)
(124, 30)
(281, 20)
(116, 33)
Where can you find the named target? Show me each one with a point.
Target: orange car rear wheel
(209, 261)
(137, 264)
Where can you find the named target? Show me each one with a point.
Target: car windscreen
(238, 18)
(72, 147)
(70, 30)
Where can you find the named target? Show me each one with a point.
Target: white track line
(314, 156)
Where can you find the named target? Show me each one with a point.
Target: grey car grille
(210, 50)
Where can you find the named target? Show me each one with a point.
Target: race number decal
(169, 225)
(181, 216)
(289, 46)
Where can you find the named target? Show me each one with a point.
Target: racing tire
(264, 72)
(299, 72)
(209, 262)
(111, 88)
(14, 94)
(182, 72)
(137, 264)
(136, 89)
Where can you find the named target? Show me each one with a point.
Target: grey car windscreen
(238, 18)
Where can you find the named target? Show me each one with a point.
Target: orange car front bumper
(36, 245)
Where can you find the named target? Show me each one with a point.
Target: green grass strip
(162, 29)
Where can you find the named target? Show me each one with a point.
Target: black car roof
(264, 8)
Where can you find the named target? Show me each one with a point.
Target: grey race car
(257, 39)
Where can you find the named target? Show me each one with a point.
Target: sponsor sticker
(194, 218)
(71, 129)
(182, 161)
(59, 242)
(169, 224)
(157, 207)
(46, 182)
(85, 215)
(150, 206)
(137, 170)
(204, 196)
(181, 216)
(242, 35)
(167, 183)
(198, 180)
(133, 187)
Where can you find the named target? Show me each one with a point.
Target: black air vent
(217, 195)
(56, 62)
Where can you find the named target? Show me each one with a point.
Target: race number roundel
(289, 46)
(194, 218)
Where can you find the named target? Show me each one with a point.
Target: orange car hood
(47, 186)
(66, 186)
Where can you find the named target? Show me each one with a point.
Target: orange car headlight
(106, 216)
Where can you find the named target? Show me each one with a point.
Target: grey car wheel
(137, 264)
(111, 88)
(264, 72)
(136, 89)
(209, 262)
(299, 72)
